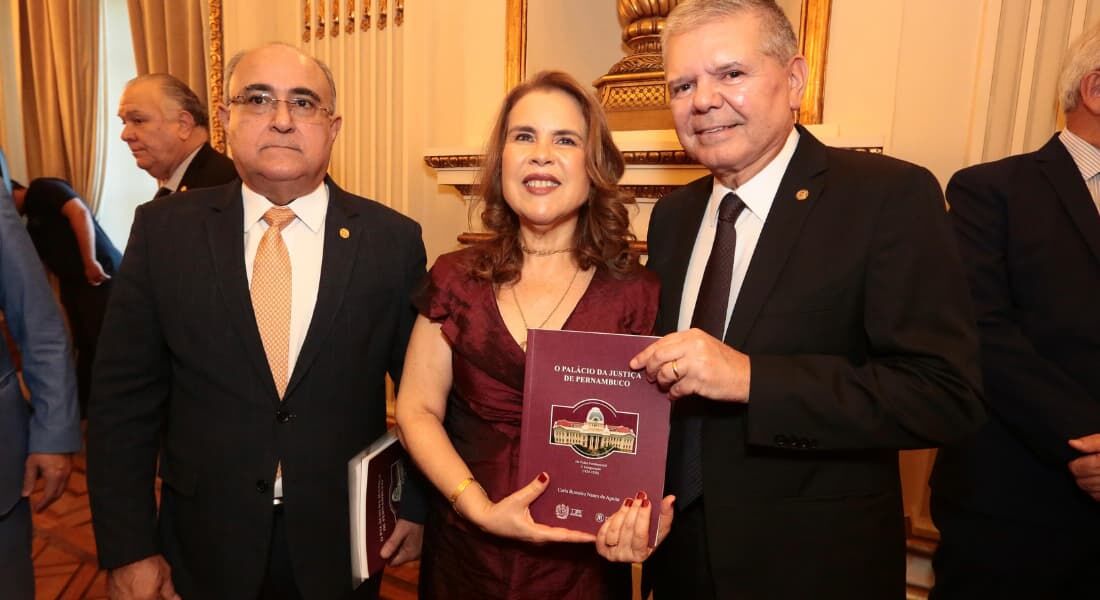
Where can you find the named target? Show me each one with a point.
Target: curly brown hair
(603, 226)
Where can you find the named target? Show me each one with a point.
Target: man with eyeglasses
(166, 127)
(246, 344)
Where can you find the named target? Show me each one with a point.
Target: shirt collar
(1085, 155)
(310, 209)
(173, 182)
(759, 192)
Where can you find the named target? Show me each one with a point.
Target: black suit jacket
(208, 169)
(1030, 237)
(180, 362)
(855, 316)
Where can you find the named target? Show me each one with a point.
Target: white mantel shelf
(656, 165)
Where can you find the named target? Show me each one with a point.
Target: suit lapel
(679, 243)
(193, 169)
(1063, 175)
(225, 232)
(781, 231)
(343, 235)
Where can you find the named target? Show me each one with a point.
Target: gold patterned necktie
(271, 294)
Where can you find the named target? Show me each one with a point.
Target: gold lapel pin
(344, 233)
(802, 194)
(183, 188)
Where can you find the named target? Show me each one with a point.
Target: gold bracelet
(461, 488)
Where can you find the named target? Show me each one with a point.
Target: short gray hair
(778, 38)
(232, 66)
(1082, 57)
(179, 93)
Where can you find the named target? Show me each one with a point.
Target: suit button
(283, 416)
(781, 441)
(261, 486)
(813, 443)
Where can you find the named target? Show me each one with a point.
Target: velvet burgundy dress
(483, 422)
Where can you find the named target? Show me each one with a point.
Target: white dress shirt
(305, 242)
(757, 193)
(173, 182)
(1087, 158)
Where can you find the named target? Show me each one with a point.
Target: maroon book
(376, 479)
(599, 429)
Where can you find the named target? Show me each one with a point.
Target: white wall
(125, 185)
(581, 37)
(454, 81)
(905, 70)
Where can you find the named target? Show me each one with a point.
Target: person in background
(816, 320)
(1018, 504)
(245, 354)
(75, 249)
(559, 258)
(167, 129)
(36, 439)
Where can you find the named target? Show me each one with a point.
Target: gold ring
(675, 371)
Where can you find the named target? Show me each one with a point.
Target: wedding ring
(675, 371)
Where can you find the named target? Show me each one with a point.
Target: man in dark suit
(36, 439)
(254, 363)
(1018, 505)
(76, 249)
(167, 128)
(820, 322)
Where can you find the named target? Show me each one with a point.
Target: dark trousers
(16, 569)
(279, 582)
(981, 556)
(680, 567)
(85, 306)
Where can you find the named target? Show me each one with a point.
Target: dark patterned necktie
(686, 478)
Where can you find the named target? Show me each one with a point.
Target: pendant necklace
(523, 318)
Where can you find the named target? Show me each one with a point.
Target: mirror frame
(813, 42)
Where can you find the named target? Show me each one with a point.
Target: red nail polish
(543, 477)
(641, 496)
(629, 502)
(645, 503)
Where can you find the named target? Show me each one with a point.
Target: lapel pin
(344, 233)
(802, 194)
(183, 188)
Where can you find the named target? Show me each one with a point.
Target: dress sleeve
(641, 313)
(437, 297)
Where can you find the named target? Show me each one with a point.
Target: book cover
(376, 480)
(599, 429)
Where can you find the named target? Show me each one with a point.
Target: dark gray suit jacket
(208, 169)
(181, 371)
(855, 315)
(51, 422)
(1030, 237)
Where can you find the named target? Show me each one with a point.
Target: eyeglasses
(301, 108)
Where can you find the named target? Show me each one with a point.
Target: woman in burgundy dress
(559, 258)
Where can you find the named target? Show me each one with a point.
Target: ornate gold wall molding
(515, 42)
(813, 39)
(217, 65)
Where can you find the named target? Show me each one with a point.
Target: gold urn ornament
(633, 92)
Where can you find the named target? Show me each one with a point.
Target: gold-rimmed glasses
(301, 108)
